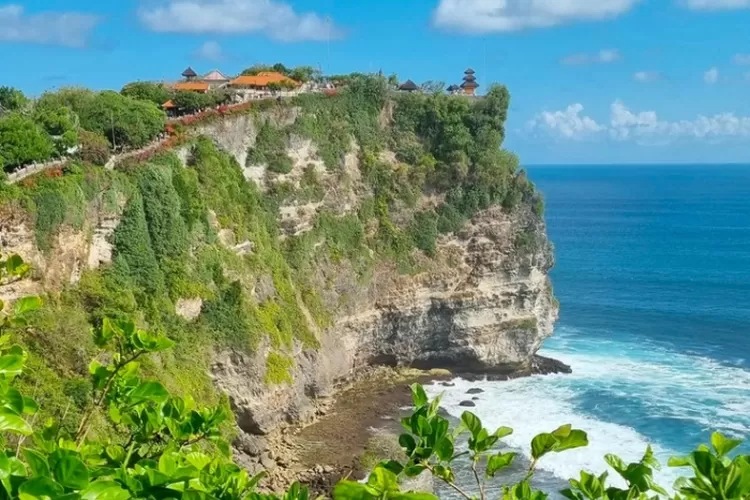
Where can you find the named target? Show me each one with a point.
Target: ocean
(653, 278)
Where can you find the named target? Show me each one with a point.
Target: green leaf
(5, 472)
(573, 439)
(418, 395)
(382, 479)
(499, 462)
(11, 364)
(679, 462)
(423, 427)
(14, 400)
(412, 496)
(30, 407)
(472, 423)
(351, 490)
(26, 305)
(414, 470)
(444, 449)
(542, 444)
(392, 466)
(149, 391)
(722, 444)
(502, 432)
(37, 462)
(115, 452)
(104, 490)
(39, 488)
(444, 473)
(10, 422)
(14, 265)
(71, 472)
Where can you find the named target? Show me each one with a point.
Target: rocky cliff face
(484, 304)
(485, 307)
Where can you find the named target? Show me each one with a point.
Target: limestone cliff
(481, 302)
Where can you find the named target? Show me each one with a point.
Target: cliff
(289, 249)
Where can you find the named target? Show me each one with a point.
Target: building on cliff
(470, 84)
(264, 84)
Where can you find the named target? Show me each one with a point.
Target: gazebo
(470, 84)
(408, 86)
(189, 74)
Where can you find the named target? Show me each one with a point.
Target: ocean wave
(624, 394)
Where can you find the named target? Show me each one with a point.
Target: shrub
(278, 369)
(424, 231)
(22, 141)
(94, 148)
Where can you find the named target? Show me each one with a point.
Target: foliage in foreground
(161, 446)
(432, 446)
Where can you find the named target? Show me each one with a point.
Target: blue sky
(593, 81)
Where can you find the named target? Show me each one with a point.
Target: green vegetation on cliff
(202, 232)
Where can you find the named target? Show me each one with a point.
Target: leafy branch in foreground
(159, 446)
(430, 445)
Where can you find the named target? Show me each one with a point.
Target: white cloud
(605, 56)
(647, 76)
(210, 51)
(711, 76)
(741, 59)
(716, 4)
(641, 127)
(70, 29)
(568, 123)
(485, 16)
(274, 19)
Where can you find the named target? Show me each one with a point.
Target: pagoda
(470, 84)
(189, 74)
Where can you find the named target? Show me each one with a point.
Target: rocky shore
(356, 427)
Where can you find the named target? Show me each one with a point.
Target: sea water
(653, 278)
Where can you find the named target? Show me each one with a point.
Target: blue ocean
(653, 277)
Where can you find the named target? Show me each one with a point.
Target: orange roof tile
(262, 79)
(193, 86)
(168, 105)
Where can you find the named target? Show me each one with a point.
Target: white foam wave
(639, 379)
(531, 408)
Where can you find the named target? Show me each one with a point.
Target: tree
(94, 147)
(12, 99)
(132, 244)
(304, 74)
(22, 141)
(189, 102)
(60, 123)
(122, 120)
(432, 87)
(146, 91)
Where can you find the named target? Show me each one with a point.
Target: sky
(592, 81)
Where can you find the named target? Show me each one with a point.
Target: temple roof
(408, 85)
(189, 73)
(215, 76)
(469, 71)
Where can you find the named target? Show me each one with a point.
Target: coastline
(333, 446)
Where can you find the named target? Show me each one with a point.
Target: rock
(475, 398)
(547, 366)
(475, 390)
(447, 384)
(469, 404)
(253, 446)
(267, 462)
(189, 309)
